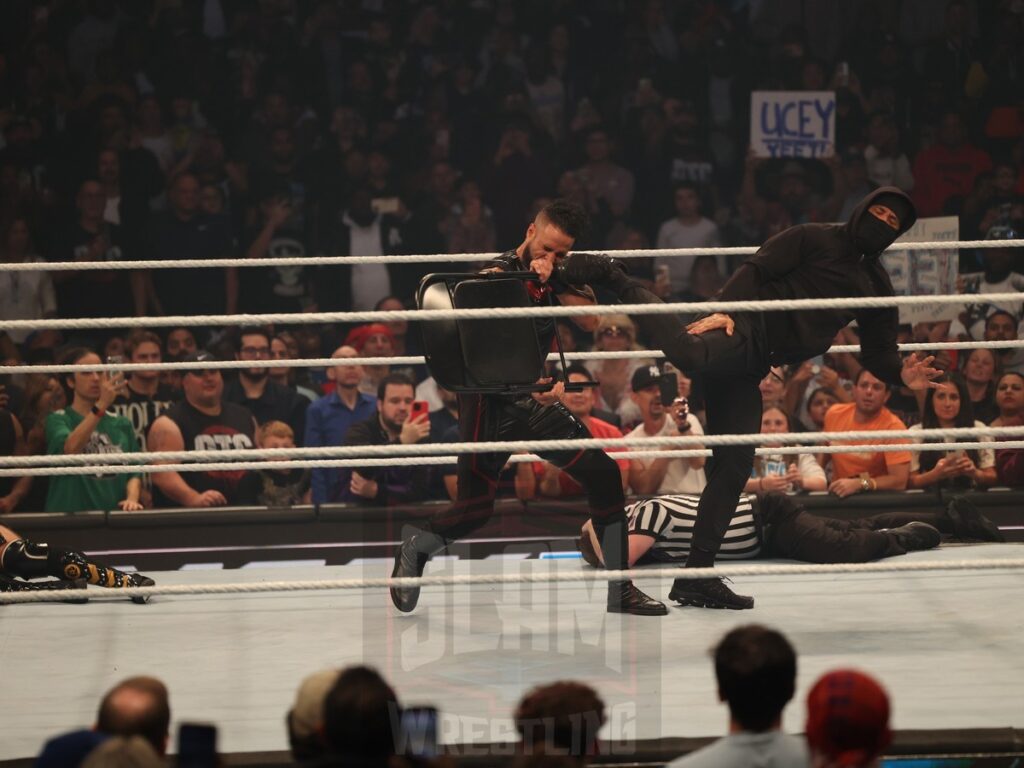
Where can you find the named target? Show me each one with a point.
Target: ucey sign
(793, 123)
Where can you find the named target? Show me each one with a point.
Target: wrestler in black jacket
(733, 353)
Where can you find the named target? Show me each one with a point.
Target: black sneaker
(917, 536)
(970, 523)
(708, 593)
(626, 598)
(138, 580)
(408, 562)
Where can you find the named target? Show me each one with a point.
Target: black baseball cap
(202, 358)
(646, 376)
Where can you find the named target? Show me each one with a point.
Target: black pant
(730, 367)
(792, 532)
(484, 418)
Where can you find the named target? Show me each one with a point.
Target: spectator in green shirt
(86, 427)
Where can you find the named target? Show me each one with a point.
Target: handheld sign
(793, 123)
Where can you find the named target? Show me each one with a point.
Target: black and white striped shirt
(670, 519)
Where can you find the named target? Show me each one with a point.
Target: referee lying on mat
(777, 526)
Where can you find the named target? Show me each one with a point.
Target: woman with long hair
(783, 472)
(981, 369)
(616, 333)
(1009, 399)
(946, 406)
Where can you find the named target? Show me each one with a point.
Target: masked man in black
(539, 416)
(733, 353)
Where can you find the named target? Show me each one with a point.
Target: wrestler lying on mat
(26, 559)
(777, 526)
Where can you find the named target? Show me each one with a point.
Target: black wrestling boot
(623, 596)
(410, 560)
(916, 536)
(970, 523)
(138, 580)
(708, 593)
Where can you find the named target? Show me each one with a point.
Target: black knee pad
(27, 559)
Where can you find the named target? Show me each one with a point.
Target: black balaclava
(873, 235)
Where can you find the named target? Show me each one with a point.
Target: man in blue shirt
(329, 418)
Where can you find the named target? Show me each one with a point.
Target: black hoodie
(823, 261)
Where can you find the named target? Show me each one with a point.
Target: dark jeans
(730, 368)
(484, 418)
(792, 532)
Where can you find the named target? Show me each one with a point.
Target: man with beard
(540, 416)
(266, 399)
(145, 398)
(733, 353)
(200, 422)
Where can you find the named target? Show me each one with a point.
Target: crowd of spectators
(353, 716)
(165, 129)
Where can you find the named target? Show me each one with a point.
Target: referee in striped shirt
(775, 525)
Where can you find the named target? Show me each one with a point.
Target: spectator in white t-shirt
(668, 475)
(887, 165)
(783, 472)
(687, 229)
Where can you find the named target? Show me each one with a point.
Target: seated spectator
(687, 229)
(706, 280)
(86, 427)
(390, 424)
(203, 421)
(756, 672)
(1009, 399)
(23, 295)
(275, 487)
(880, 471)
(43, 395)
(306, 717)
(284, 347)
(887, 165)
(551, 481)
(328, 419)
(1002, 326)
(803, 382)
(669, 475)
(69, 750)
(265, 399)
(847, 720)
(981, 369)
(180, 342)
(818, 404)
(123, 752)
(948, 406)
(782, 472)
(12, 443)
(145, 397)
(616, 333)
(361, 715)
(371, 340)
(998, 276)
(137, 706)
(560, 718)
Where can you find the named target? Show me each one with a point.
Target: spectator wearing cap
(847, 720)
(668, 475)
(551, 481)
(266, 399)
(203, 421)
(755, 668)
(687, 229)
(560, 718)
(371, 340)
(305, 719)
(328, 419)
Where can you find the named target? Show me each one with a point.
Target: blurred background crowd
(160, 129)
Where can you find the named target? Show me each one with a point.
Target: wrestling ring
(941, 628)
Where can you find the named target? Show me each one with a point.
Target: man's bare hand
(713, 322)
(543, 267)
(552, 395)
(846, 486)
(414, 430)
(918, 373)
(363, 487)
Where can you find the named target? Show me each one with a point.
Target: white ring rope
(516, 446)
(440, 258)
(332, 362)
(487, 313)
(401, 461)
(533, 577)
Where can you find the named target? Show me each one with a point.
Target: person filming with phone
(86, 427)
(393, 422)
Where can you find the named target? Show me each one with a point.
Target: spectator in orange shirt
(947, 169)
(860, 472)
(551, 481)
